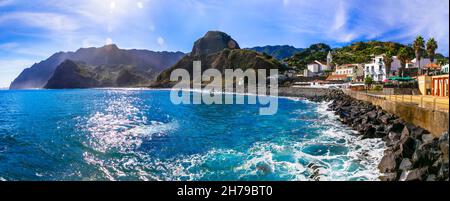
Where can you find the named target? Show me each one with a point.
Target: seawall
(302, 92)
(437, 122)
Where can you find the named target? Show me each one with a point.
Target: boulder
(388, 162)
(427, 138)
(425, 154)
(388, 177)
(406, 164)
(443, 172)
(369, 132)
(385, 119)
(394, 137)
(418, 132)
(431, 177)
(443, 145)
(413, 175)
(372, 115)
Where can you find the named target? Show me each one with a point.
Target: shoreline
(412, 153)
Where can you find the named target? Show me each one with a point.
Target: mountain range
(148, 63)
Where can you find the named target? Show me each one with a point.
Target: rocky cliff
(217, 50)
(143, 60)
(70, 74)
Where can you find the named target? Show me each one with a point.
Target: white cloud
(349, 20)
(109, 41)
(160, 41)
(6, 2)
(112, 6)
(43, 20)
(140, 5)
(9, 46)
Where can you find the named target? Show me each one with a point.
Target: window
(380, 68)
(373, 68)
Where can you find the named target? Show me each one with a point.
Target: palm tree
(387, 59)
(403, 57)
(419, 46)
(431, 48)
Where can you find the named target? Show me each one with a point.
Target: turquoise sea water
(117, 134)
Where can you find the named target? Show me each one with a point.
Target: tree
(387, 59)
(368, 81)
(419, 46)
(403, 57)
(431, 49)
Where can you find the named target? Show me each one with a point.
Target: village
(387, 76)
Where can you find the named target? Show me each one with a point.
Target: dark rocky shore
(412, 152)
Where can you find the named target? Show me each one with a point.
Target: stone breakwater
(412, 153)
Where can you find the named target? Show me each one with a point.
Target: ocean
(135, 134)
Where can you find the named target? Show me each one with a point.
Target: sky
(32, 30)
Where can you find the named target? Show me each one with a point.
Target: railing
(429, 102)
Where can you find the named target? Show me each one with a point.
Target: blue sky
(32, 30)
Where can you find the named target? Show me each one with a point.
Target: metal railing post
(434, 104)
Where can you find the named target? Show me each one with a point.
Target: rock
(380, 134)
(443, 145)
(427, 138)
(443, 172)
(408, 147)
(405, 164)
(212, 42)
(418, 132)
(388, 163)
(369, 132)
(405, 134)
(413, 175)
(394, 136)
(397, 126)
(385, 119)
(217, 50)
(425, 154)
(431, 177)
(394, 127)
(379, 128)
(388, 177)
(372, 115)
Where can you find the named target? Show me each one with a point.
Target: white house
(444, 69)
(376, 69)
(415, 64)
(317, 67)
(354, 72)
(314, 67)
(395, 65)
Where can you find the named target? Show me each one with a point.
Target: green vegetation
(358, 52)
(280, 52)
(431, 49)
(387, 59)
(404, 57)
(368, 81)
(314, 52)
(419, 46)
(362, 52)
